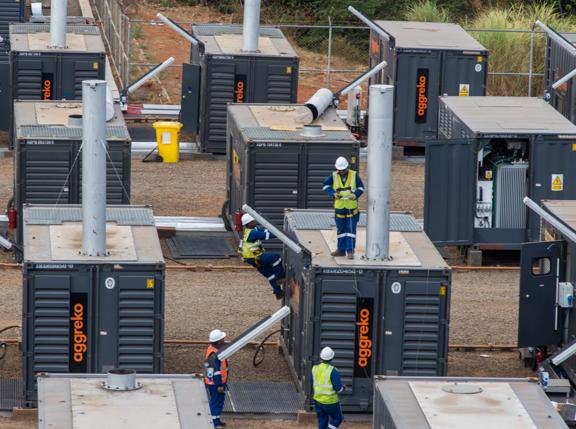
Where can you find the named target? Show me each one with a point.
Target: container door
(277, 81)
(541, 268)
(416, 96)
(190, 104)
(75, 70)
(130, 322)
(449, 195)
(464, 75)
(319, 160)
(559, 63)
(552, 175)
(34, 78)
(274, 184)
(226, 82)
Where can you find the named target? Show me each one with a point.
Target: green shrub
(427, 11)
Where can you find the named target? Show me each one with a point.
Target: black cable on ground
(148, 155)
(260, 349)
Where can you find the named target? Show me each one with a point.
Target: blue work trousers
(270, 266)
(329, 416)
(346, 232)
(216, 403)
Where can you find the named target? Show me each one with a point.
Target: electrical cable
(69, 173)
(260, 349)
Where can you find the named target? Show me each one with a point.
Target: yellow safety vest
(250, 250)
(345, 190)
(324, 392)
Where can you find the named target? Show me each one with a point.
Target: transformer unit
(560, 62)
(426, 60)
(220, 72)
(494, 152)
(380, 317)
(11, 11)
(275, 162)
(40, 72)
(48, 165)
(442, 402)
(85, 314)
(170, 401)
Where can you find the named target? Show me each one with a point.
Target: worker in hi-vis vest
(327, 384)
(268, 264)
(345, 186)
(216, 376)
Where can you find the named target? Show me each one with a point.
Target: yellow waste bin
(168, 138)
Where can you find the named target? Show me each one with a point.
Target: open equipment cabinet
(495, 151)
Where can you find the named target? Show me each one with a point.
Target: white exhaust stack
(380, 112)
(94, 168)
(58, 16)
(251, 27)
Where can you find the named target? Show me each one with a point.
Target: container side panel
(274, 182)
(449, 192)
(276, 80)
(320, 164)
(464, 74)
(552, 176)
(77, 69)
(34, 78)
(560, 62)
(221, 79)
(416, 96)
(5, 95)
(10, 11)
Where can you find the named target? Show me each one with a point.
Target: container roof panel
(224, 39)
(509, 115)
(430, 35)
(36, 38)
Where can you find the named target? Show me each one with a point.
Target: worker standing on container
(268, 264)
(327, 384)
(216, 376)
(345, 186)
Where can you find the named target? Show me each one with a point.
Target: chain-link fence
(330, 55)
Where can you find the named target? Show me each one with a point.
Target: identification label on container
(364, 334)
(557, 182)
(421, 96)
(166, 137)
(464, 90)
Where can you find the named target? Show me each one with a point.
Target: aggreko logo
(364, 341)
(47, 90)
(79, 333)
(422, 98)
(240, 91)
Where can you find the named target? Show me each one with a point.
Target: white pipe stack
(94, 168)
(58, 16)
(251, 27)
(380, 123)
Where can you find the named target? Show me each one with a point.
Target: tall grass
(509, 52)
(427, 11)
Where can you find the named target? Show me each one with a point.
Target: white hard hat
(246, 219)
(327, 353)
(341, 163)
(216, 335)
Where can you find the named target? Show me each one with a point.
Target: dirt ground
(483, 304)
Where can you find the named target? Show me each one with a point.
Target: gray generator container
(11, 11)
(43, 73)
(441, 402)
(222, 73)
(426, 60)
(495, 151)
(272, 166)
(163, 401)
(379, 317)
(90, 315)
(48, 162)
(560, 62)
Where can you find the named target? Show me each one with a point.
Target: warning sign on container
(557, 182)
(464, 90)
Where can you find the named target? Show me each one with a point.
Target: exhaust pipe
(251, 26)
(58, 15)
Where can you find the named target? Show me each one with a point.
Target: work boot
(279, 295)
(337, 253)
(350, 254)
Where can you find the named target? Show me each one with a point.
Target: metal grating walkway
(261, 397)
(193, 245)
(11, 393)
(316, 219)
